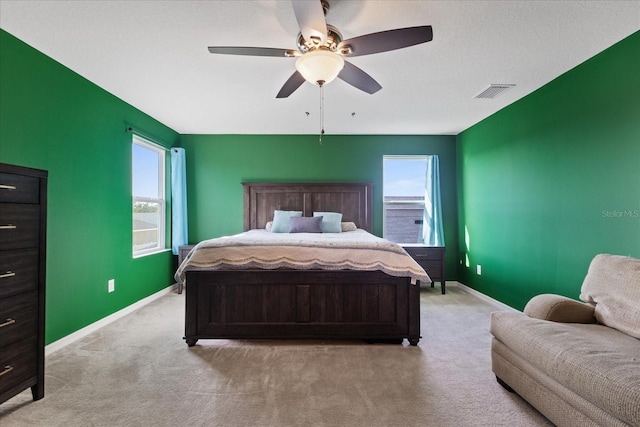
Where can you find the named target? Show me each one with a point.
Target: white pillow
(348, 226)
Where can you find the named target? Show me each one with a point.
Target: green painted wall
(218, 164)
(53, 119)
(553, 179)
(541, 186)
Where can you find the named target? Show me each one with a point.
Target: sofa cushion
(596, 362)
(613, 284)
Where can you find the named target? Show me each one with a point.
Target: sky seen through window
(404, 177)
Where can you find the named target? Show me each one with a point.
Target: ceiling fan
(321, 50)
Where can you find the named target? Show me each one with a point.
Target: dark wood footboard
(250, 304)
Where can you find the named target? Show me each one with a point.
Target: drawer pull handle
(8, 322)
(7, 187)
(7, 274)
(6, 370)
(8, 227)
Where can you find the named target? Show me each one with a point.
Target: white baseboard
(81, 333)
(498, 304)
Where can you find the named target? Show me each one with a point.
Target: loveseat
(577, 362)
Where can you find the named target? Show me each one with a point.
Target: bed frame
(285, 303)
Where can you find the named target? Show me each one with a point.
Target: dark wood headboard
(353, 200)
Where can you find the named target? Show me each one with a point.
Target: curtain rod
(146, 136)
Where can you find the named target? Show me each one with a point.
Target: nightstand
(183, 251)
(431, 258)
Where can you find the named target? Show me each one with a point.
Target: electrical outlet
(479, 270)
(111, 286)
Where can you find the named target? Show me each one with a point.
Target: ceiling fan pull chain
(321, 112)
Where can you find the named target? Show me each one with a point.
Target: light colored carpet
(138, 371)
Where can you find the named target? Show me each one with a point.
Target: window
(148, 178)
(403, 185)
(411, 190)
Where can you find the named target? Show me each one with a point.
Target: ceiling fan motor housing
(334, 38)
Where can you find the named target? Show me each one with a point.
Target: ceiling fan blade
(386, 40)
(310, 17)
(358, 78)
(253, 51)
(290, 86)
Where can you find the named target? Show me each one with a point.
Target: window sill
(154, 252)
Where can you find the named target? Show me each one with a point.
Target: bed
(286, 302)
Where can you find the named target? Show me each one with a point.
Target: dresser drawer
(18, 318)
(19, 188)
(18, 271)
(19, 226)
(18, 363)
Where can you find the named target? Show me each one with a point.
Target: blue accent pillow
(305, 224)
(281, 220)
(331, 221)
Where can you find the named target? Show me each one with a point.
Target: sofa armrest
(557, 308)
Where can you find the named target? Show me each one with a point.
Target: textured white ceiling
(153, 55)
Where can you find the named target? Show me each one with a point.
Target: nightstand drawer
(433, 269)
(183, 251)
(423, 253)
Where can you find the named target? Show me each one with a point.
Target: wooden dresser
(23, 218)
(431, 258)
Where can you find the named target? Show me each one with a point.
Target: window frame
(417, 203)
(161, 201)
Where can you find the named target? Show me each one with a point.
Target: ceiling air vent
(493, 91)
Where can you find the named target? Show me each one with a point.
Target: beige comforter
(352, 250)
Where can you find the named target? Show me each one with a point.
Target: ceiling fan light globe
(319, 66)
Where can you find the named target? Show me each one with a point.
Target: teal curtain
(432, 231)
(179, 230)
